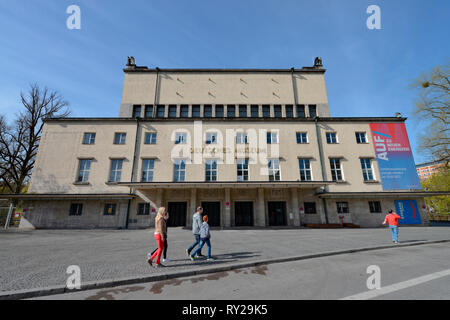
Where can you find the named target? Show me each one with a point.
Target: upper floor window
(254, 111)
(272, 137)
(274, 170)
(219, 111)
(342, 207)
(184, 111)
(211, 138)
(116, 170)
(305, 169)
(336, 170)
(148, 111)
(110, 209)
(161, 111)
(179, 170)
(89, 138)
(231, 111)
(277, 111)
(137, 111)
(242, 169)
(172, 111)
(83, 170)
(331, 137)
(289, 111)
(243, 111)
(76, 209)
(147, 170)
(302, 137)
(241, 138)
(180, 138)
(207, 111)
(361, 137)
(312, 111)
(120, 138)
(150, 138)
(211, 170)
(300, 111)
(196, 111)
(366, 169)
(266, 111)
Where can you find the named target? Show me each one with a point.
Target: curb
(47, 291)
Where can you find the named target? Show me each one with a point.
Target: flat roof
(134, 69)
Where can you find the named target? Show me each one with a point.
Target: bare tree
(433, 107)
(19, 142)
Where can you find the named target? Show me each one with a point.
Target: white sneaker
(149, 255)
(166, 260)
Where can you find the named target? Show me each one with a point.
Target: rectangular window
(83, 170)
(342, 207)
(110, 209)
(196, 111)
(289, 111)
(366, 169)
(300, 111)
(172, 111)
(179, 170)
(336, 171)
(272, 137)
(266, 111)
(137, 111)
(219, 111)
(143, 209)
(305, 169)
(277, 111)
(331, 137)
(211, 170)
(120, 138)
(180, 138)
(243, 111)
(302, 137)
(116, 170)
(149, 111)
(274, 170)
(242, 169)
(147, 170)
(160, 111)
(207, 111)
(231, 111)
(375, 206)
(310, 207)
(361, 137)
(150, 138)
(184, 111)
(254, 111)
(211, 138)
(76, 209)
(89, 138)
(241, 138)
(312, 111)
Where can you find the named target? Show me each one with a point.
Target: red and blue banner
(394, 156)
(409, 211)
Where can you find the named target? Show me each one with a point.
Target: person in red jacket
(392, 219)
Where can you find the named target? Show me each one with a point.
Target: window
(331, 137)
(149, 111)
(254, 111)
(116, 170)
(231, 111)
(89, 138)
(137, 111)
(289, 111)
(241, 138)
(211, 138)
(147, 170)
(242, 111)
(302, 137)
(172, 111)
(272, 137)
(110, 209)
(219, 110)
(83, 170)
(366, 169)
(342, 207)
(184, 111)
(120, 138)
(160, 111)
(375, 206)
(361, 137)
(336, 171)
(76, 209)
(277, 111)
(143, 209)
(179, 170)
(274, 170)
(312, 111)
(300, 111)
(266, 111)
(207, 111)
(150, 138)
(310, 207)
(211, 170)
(196, 111)
(305, 169)
(242, 169)
(180, 138)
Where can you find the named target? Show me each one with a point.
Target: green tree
(439, 181)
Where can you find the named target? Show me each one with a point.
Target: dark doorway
(212, 209)
(177, 214)
(243, 213)
(277, 213)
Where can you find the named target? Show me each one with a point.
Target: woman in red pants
(160, 236)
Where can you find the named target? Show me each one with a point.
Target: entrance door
(243, 213)
(277, 213)
(177, 214)
(212, 209)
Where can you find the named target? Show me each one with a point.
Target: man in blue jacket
(196, 224)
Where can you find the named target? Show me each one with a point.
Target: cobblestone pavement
(36, 259)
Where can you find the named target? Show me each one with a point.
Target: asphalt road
(418, 272)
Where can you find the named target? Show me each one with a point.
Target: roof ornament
(318, 62)
(131, 62)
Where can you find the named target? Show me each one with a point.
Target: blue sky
(368, 71)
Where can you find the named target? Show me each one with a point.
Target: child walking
(205, 237)
(392, 218)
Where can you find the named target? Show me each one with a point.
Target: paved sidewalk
(36, 259)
